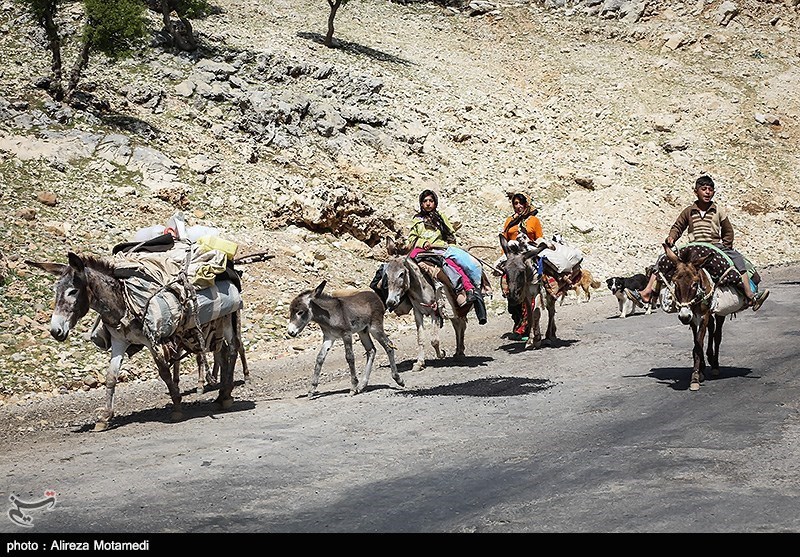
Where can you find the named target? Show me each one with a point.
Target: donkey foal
(339, 316)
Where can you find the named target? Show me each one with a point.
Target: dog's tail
(595, 284)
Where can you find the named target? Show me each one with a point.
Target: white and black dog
(617, 286)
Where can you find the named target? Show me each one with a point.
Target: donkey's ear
(503, 243)
(671, 255)
(52, 268)
(393, 247)
(76, 262)
(320, 309)
(700, 261)
(318, 290)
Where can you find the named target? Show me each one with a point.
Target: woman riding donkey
(523, 220)
(430, 243)
(708, 223)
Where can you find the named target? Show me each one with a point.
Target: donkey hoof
(399, 381)
(100, 426)
(694, 387)
(418, 366)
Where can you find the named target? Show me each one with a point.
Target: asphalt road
(596, 434)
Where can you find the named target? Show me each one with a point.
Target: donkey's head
(72, 294)
(398, 281)
(519, 268)
(687, 282)
(394, 248)
(301, 310)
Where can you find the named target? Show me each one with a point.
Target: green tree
(335, 5)
(112, 27)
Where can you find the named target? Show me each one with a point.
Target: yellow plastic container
(215, 242)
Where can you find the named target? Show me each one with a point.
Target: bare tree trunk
(54, 45)
(77, 70)
(334, 4)
(187, 25)
(178, 39)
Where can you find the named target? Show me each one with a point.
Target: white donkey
(340, 315)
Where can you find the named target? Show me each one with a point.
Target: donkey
(88, 282)
(406, 278)
(692, 289)
(524, 287)
(339, 315)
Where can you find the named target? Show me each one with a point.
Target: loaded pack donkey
(104, 285)
(339, 316)
(525, 287)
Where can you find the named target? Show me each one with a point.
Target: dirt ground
(289, 376)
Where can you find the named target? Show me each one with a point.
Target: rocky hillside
(603, 112)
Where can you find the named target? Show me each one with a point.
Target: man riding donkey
(430, 243)
(707, 224)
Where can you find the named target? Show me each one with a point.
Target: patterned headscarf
(523, 216)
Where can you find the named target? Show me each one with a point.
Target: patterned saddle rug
(717, 264)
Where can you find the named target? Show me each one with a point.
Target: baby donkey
(339, 316)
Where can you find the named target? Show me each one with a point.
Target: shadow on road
(449, 361)
(679, 377)
(516, 347)
(486, 387)
(191, 410)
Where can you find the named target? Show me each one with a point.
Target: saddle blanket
(717, 265)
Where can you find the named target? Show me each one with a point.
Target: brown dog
(585, 282)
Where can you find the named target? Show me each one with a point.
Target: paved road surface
(596, 434)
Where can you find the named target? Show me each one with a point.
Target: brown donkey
(692, 290)
(340, 315)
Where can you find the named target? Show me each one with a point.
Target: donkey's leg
(245, 370)
(327, 342)
(713, 347)
(118, 348)
(369, 346)
(435, 326)
(533, 328)
(460, 327)
(166, 375)
(384, 341)
(226, 356)
(698, 333)
(550, 304)
(347, 339)
(419, 320)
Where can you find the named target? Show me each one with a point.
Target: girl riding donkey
(430, 242)
(524, 220)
